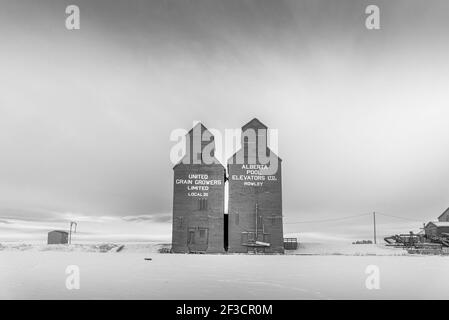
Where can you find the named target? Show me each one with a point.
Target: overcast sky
(86, 115)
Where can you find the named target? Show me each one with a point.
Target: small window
(267, 238)
(202, 233)
(237, 218)
(191, 237)
(178, 221)
(202, 204)
(244, 237)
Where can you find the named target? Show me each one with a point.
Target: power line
(353, 216)
(329, 220)
(397, 217)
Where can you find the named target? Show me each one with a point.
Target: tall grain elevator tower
(198, 197)
(255, 195)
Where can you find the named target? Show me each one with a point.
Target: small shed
(58, 237)
(290, 243)
(436, 229)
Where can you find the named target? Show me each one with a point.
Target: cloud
(77, 217)
(50, 216)
(158, 218)
(29, 214)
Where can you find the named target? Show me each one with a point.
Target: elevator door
(198, 239)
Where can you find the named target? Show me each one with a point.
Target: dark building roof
(189, 153)
(59, 231)
(253, 124)
(437, 224)
(198, 125)
(445, 212)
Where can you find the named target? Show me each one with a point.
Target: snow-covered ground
(339, 248)
(314, 271)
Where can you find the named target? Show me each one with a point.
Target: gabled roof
(254, 124)
(446, 211)
(438, 223)
(59, 231)
(203, 129)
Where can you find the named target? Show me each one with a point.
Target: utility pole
(374, 219)
(257, 218)
(70, 233)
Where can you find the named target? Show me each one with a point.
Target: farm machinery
(419, 243)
